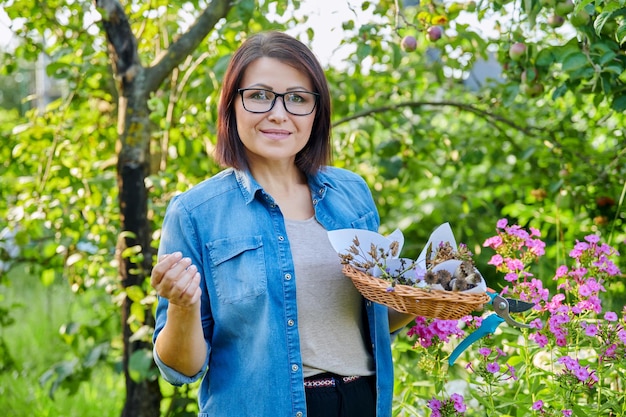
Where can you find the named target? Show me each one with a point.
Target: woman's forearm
(180, 344)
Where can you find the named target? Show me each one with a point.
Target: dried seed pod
(430, 278)
(394, 248)
(444, 278)
(466, 268)
(474, 278)
(460, 284)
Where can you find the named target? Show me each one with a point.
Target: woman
(251, 295)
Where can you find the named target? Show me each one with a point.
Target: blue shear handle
(488, 326)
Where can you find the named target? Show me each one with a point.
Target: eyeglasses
(258, 100)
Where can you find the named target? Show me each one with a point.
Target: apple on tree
(517, 51)
(532, 89)
(564, 7)
(434, 33)
(409, 43)
(529, 75)
(581, 18)
(555, 20)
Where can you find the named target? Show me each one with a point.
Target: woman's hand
(175, 278)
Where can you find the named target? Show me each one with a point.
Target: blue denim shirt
(235, 233)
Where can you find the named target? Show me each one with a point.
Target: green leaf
(363, 51)
(47, 277)
(619, 103)
(545, 57)
(607, 57)
(620, 34)
(140, 364)
(135, 293)
(574, 61)
(389, 148)
(94, 355)
(600, 21)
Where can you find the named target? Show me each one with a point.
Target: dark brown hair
(230, 150)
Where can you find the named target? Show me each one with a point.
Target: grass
(34, 345)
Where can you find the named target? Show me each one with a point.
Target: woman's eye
(295, 98)
(259, 95)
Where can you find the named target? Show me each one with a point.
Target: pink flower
(537, 405)
(511, 277)
(459, 406)
(610, 352)
(540, 339)
(501, 224)
(610, 316)
(496, 260)
(493, 242)
(591, 330)
(493, 367)
(434, 404)
(581, 373)
(561, 271)
(511, 370)
(557, 301)
(536, 246)
(567, 413)
(484, 351)
(514, 264)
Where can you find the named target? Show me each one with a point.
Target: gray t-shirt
(330, 320)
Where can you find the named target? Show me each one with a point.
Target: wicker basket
(448, 305)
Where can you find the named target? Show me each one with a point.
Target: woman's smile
(276, 134)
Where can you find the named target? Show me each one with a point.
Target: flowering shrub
(571, 362)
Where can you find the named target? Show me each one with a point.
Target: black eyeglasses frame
(240, 91)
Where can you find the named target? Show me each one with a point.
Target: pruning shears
(502, 307)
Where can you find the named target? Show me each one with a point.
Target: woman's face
(277, 135)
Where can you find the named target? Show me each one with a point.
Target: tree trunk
(134, 84)
(143, 396)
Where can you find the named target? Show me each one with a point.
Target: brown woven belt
(328, 382)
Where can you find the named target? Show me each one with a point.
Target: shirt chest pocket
(238, 268)
(368, 221)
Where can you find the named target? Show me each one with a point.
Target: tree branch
(187, 43)
(412, 104)
(121, 40)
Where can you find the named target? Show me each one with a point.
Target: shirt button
(321, 191)
(281, 238)
(290, 322)
(287, 277)
(314, 201)
(294, 367)
(299, 414)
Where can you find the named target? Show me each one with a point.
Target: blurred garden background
(464, 112)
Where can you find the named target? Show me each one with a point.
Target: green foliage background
(431, 149)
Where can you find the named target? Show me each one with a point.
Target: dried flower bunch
(377, 261)
(465, 277)
(385, 264)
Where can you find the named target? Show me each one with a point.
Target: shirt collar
(249, 187)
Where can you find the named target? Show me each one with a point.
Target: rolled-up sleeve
(173, 376)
